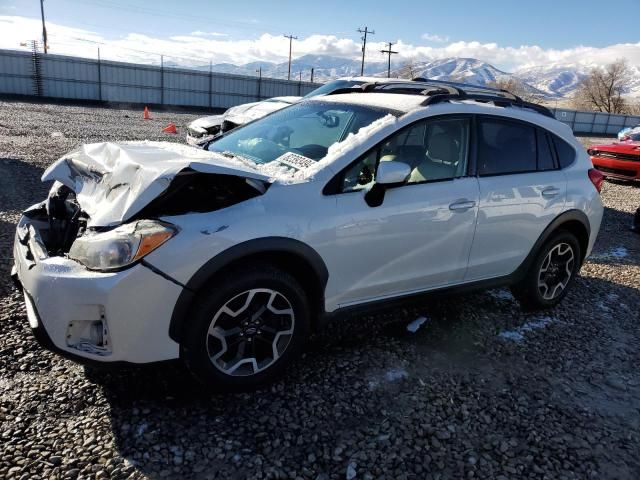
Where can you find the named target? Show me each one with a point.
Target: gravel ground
(480, 390)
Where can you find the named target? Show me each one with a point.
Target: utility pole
(291, 39)
(390, 52)
(259, 72)
(364, 45)
(44, 28)
(312, 74)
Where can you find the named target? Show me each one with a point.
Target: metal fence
(58, 76)
(595, 123)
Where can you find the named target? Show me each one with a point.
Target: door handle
(550, 192)
(462, 205)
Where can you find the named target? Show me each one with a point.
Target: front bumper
(61, 297)
(622, 169)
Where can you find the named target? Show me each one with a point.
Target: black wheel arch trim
(563, 218)
(265, 245)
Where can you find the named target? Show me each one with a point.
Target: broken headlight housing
(122, 246)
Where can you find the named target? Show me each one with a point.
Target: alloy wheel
(250, 332)
(556, 271)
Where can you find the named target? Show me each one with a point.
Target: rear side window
(505, 147)
(545, 157)
(566, 153)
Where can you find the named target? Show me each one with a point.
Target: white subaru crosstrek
(229, 258)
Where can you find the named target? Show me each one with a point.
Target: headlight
(121, 246)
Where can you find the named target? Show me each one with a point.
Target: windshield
(304, 132)
(331, 86)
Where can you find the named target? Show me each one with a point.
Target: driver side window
(434, 150)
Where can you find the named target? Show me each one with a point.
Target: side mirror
(389, 173)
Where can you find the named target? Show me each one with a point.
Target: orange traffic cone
(171, 128)
(146, 115)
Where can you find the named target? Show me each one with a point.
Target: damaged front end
(104, 214)
(105, 207)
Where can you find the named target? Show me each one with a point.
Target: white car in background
(205, 129)
(228, 258)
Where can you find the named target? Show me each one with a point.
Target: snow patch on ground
(501, 294)
(414, 326)
(617, 252)
(351, 471)
(604, 308)
(390, 376)
(519, 333)
(142, 428)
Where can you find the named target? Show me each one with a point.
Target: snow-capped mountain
(325, 68)
(554, 81)
(468, 70)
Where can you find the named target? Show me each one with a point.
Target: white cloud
(198, 48)
(432, 37)
(199, 33)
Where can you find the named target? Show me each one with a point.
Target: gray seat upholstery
(440, 160)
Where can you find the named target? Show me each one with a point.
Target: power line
(390, 52)
(364, 45)
(291, 38)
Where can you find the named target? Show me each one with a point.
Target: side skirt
(405, 300)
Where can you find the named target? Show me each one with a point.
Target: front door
(420, 237)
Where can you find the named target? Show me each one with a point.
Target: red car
(619, 159)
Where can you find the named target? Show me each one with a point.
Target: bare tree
(516, 87)
(633, 108)
(602, 90)
(408, 70)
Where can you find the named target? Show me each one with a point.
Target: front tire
(551, 274)
(245, 328)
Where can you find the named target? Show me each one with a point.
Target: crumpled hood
(114, 181)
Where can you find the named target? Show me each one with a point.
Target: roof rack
(461, 85)
(439, 91)
(408, 86)
(497, 100)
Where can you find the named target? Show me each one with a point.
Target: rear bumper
(63, 300)
(623, 169)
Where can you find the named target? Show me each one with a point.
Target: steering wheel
(312, 150)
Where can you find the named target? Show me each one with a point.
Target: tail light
(597, 178)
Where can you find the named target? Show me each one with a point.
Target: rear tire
(245, 328)
(552, 273)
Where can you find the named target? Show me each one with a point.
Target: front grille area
(617, 171)
(618, 156)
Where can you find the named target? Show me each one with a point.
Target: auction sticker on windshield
(294, 160)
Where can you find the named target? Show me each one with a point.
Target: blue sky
(498, 29)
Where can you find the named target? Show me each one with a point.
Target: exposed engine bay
(59, 220)
(198, 192)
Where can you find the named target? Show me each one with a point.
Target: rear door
(521, 192)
